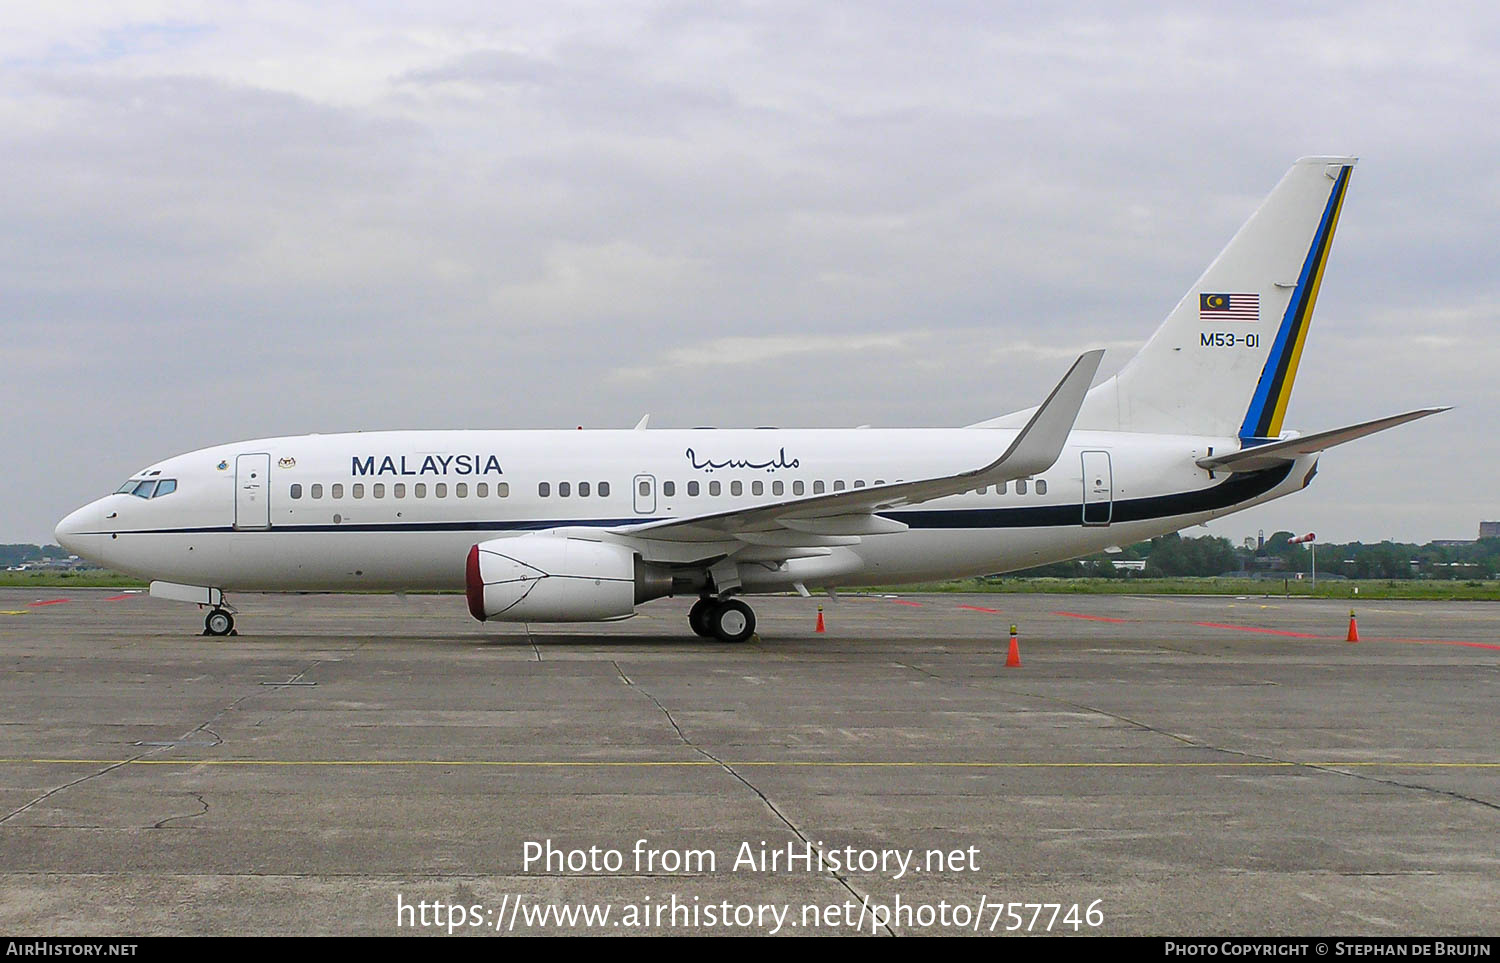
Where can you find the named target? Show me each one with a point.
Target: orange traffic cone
(1353, 628)
(820, 620)
(1013, 661)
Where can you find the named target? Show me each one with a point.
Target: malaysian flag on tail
(1229, 307)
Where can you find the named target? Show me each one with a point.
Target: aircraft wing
(1280, 452)
(842, 517)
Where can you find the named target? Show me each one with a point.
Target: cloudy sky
(228, 220)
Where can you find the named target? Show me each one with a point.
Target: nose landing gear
(728, 620)
(219, 621)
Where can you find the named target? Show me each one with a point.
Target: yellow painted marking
(13, 612)
(709, 764)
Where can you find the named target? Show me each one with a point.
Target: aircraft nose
(68, 530)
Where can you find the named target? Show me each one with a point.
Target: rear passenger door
(1098, 488)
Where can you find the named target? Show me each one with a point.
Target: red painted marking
(916, 605)
(980, 608)
(1472, 645)
(51, 602)
(1091, 618)
(119, 598)
(1340, 638)
(1252, 628)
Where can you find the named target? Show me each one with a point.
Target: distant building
(1489, 529)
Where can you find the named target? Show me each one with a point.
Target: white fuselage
(324, 512)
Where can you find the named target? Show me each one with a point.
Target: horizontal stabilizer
(1280, 452)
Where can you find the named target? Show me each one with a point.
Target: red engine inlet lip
(474, 585)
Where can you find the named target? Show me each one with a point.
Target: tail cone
(1013, 661)
(1353, 628)
(820, 620)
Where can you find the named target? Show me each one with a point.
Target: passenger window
(296, 491)
(1000, 488)
(1041, 486)
(420, 489)
(543, 489)
(461, 490)
(880, 481)
(144, 489)
(818, 487)
(502, 489)
(692, 489)
(604, 489)
(317, 491)
(359, 490)
(984, 490)
(440, 489)
(564, 489)
(379, 490)
(1020, 486)
(778, 488)
(859, 484)
(338, 491)
(736, 488)
(757, 488)
(714, 488)
(583, 489)
(167, 487)
(398, 489)
(669, 488)
(838, 485)
(645, 487)
(482, 490)
(798, 487)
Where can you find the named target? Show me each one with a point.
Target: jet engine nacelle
(554, 578)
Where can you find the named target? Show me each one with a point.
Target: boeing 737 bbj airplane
(578, 526)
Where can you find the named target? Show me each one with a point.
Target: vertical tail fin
(1224, 361)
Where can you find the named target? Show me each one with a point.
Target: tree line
(1211, 555)
(21, 554)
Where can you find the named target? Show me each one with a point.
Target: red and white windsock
(1302, 539)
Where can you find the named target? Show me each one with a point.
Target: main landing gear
(728, 620)
(220, 621)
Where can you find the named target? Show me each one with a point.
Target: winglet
(1039, 444)
(645, 420)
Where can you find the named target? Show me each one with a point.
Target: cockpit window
(148, 488)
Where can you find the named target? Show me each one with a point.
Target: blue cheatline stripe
(1273, 375)
(1239, 487)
